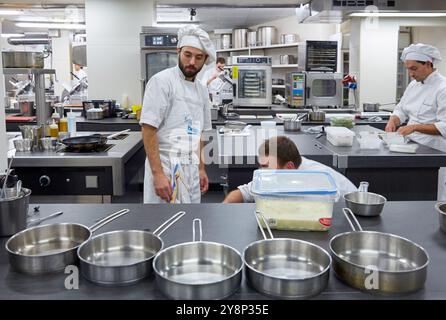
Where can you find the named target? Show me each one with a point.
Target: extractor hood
(336, 11)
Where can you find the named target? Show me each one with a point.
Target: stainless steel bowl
(441, 209)
(292, 125)
(316, 115)
(366, 204)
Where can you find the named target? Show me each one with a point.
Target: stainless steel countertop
(233, 225)
(245, 148)
(116, 157)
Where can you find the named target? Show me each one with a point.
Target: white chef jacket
(180, 111)
(342, 183)
(425, 103)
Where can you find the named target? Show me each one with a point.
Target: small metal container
(370, 107)
(316, 116)
(18, 145)
(95, 114)
(441, 209)
(13, 213)
(292, 125)
(365, 204)
(49, 143)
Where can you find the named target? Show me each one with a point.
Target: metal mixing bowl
(366, 204)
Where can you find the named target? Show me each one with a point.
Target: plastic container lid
(339, 131)
(292, 183)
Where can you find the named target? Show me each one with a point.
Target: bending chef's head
(279, 153)
(419, 60)
(194, 50)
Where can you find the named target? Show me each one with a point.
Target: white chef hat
(193, 36)
(421, 52)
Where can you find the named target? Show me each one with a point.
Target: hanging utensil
(3, 193)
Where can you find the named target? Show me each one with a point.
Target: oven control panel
(67, 181)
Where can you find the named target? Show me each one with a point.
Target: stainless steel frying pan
(198, 269)
(122, 257)
(50, 248)
(286, 268)
(378, 262)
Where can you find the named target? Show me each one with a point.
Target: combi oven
(158, 51)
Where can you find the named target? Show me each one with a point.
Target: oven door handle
(307, 90)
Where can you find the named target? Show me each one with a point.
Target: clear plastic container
(340, 136)
(295, 199)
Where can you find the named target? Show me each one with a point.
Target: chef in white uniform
(175, 113)
(287, 157)
(423, 104)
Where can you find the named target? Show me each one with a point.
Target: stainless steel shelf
(274, 46)
(285, 66)
(28, 71)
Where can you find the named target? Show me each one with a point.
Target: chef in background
(286, 156)
(423, 104)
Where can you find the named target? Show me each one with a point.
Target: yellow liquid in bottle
(63, 125)
(54, 131)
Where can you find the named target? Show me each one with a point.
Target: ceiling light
(399, 14)
(70, 26)
(9, 35)
(10, 12)
(173, 25)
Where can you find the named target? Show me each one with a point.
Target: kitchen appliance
(313, 89)
(52, 247)
(239, 38)
(266, 36)
(22, 59)
(252, 80)
(158, 51)
(318, 56)
(400, 263)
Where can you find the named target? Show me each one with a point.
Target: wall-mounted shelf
(273, 46)
(285, 66)
(28, 71)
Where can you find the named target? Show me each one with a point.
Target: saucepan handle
(169, 222)
(348, 212)
(200, 230)
(257, 215)
(108, 219)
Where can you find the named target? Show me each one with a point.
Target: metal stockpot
(122, 257)
(441, 209)
(401, 264)
(252, 38)
(239, 39)
(52, 247)
(22, 59)
(292, 124)
(286, 268)
(316, 116)
(370, 107)
(266, 36)
(13, 213)
(226, 41)
(198, 269)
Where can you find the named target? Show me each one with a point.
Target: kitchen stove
(104, 148)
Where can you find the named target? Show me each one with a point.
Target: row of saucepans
(283, 268)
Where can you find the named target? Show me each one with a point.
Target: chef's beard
(188, 71)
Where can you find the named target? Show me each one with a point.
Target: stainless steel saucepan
(198, 269)
(52, 247)
(286, 268)
(122, 257)
(395, 264)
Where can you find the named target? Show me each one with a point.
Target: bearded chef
(174, 115)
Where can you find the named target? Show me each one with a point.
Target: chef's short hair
(284, 148)
(221, 60)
